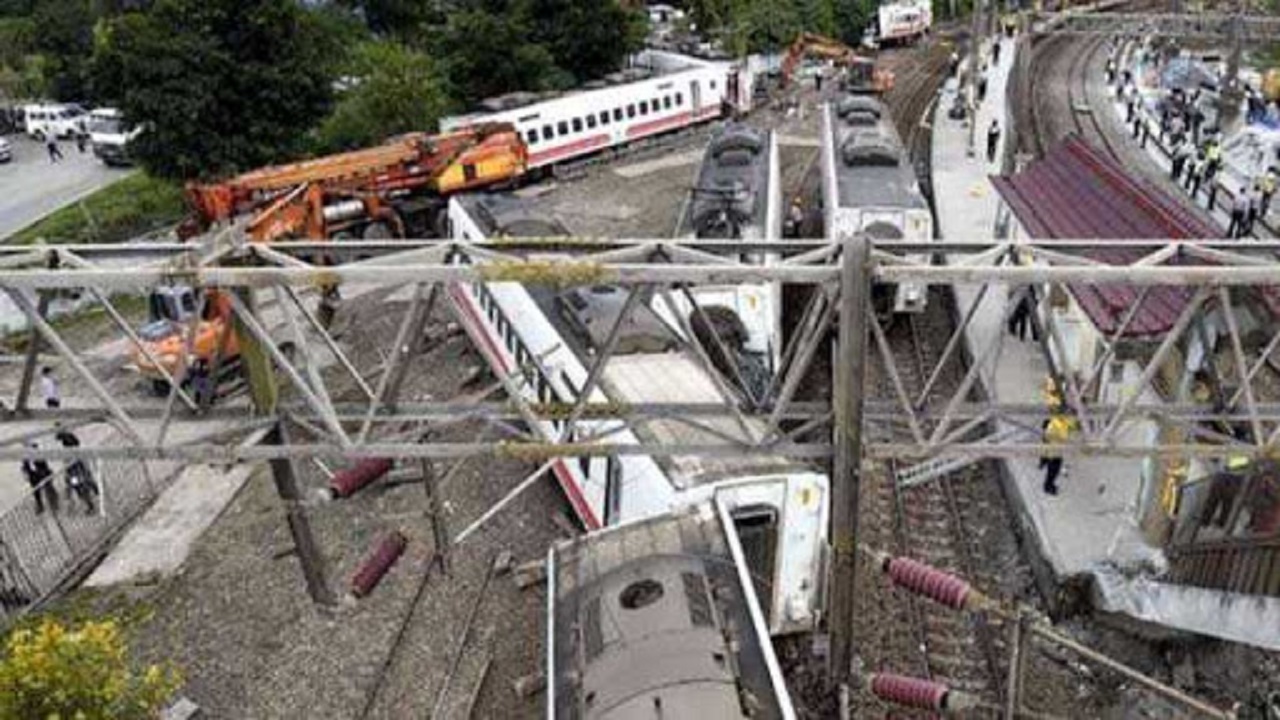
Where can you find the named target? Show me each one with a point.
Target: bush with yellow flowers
(56, 672)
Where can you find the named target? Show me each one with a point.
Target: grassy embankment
(123, 210)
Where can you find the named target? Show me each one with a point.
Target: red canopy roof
(1077, 192)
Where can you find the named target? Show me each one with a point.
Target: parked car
(62, 121)
(6, 151)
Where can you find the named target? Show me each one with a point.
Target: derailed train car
(869, 186)
(548, 340)
(656, 619)
(737, 195)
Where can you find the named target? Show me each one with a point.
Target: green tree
(395, 90)
(817, 16)
(487, 54)
(586, 38)
(219, 85)
(65, 37)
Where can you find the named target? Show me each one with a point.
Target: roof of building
(1078, 192)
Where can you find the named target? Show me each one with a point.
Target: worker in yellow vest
(1057, 431)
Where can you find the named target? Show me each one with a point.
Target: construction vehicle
(171, 309)
(397, 189)
(861, 73)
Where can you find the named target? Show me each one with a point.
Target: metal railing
(46, 540)
(1228, 537)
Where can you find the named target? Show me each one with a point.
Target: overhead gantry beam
(919, 424)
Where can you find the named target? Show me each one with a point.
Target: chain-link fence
(48, 535)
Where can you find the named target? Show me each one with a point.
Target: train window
(631, 110)
(591, 122)
(644, 107)
(562, 127)
(546, 132)
(604, 117)
(584, 464)
(666, 102)
(617, 114)
(531, 136)
(657, 103)
(544, 390)
(577, 125)
(679, 99)
(713, 84)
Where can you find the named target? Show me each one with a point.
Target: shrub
(78, 673)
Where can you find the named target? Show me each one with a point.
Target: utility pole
(265, 391)
(850, 368)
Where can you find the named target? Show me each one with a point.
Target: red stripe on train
(479, 330)
(558, 153)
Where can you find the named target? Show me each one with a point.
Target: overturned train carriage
(869, 186)
(547, 340)
(656, 619)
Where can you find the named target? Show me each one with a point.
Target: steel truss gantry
(1222, 275)
(294, 362)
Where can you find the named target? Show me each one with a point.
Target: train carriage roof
(731, 192)
(871, 166)
(650, 620)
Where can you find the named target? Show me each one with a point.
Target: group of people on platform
(1195, 151)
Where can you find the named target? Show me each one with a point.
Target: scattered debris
(530, 573)
(526, 686)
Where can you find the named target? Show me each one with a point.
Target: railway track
(918, 75)
(937, 523)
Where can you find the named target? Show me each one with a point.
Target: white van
(110, 135)
(62, 121)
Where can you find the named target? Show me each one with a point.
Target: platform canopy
(1078, 191)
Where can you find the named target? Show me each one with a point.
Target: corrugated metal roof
(1077, 192)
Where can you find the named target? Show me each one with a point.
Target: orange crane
(397, 189)
(861, 73)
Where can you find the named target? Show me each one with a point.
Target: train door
(695, 98)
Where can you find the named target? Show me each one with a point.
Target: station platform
(1091, 524)
(1086, 536)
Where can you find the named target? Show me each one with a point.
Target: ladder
(937, 467)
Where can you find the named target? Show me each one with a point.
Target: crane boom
(346, 193)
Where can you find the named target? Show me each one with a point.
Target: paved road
(31, 187)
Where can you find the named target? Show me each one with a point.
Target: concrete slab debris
(161, 540)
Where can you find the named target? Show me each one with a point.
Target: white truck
(59, 121)
(110, 135)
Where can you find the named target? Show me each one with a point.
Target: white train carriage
(903, 21)
(869, 186)
(667, 93)
(780, 506)
(737, 194)
(654, 619)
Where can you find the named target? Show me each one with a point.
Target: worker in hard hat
(1057, 431)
